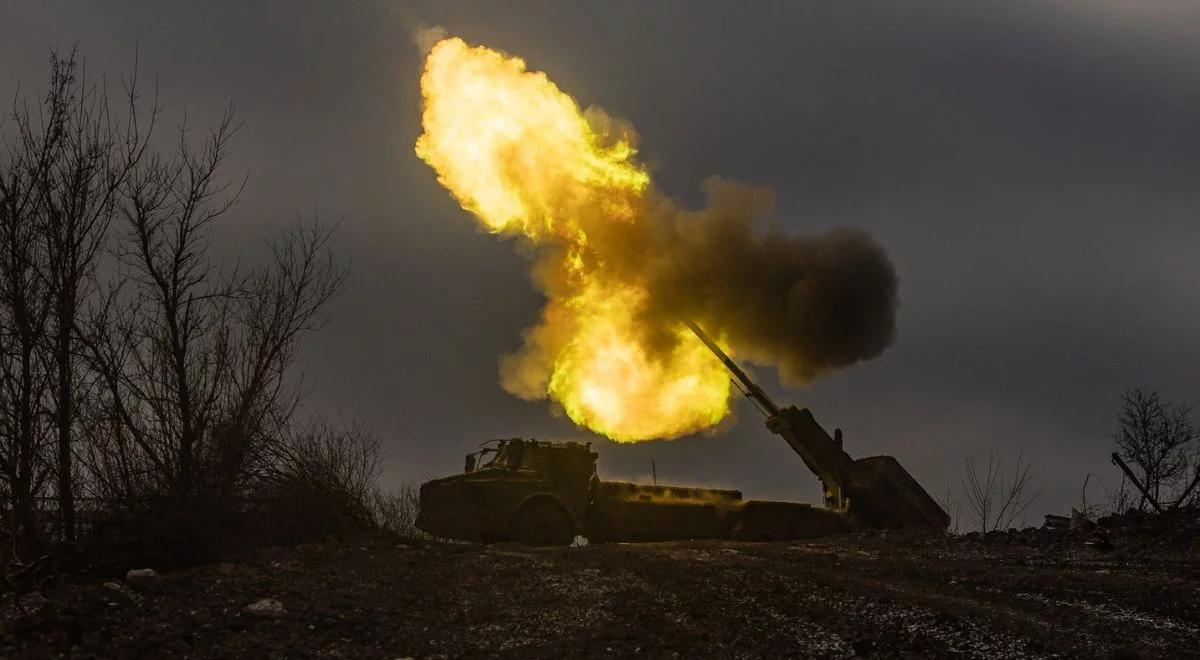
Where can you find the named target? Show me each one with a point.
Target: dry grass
(396, 510)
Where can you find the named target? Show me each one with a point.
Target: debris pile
(1173, 531)
(1132, 531)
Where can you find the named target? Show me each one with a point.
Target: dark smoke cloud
(808, 304)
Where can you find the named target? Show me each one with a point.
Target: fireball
(524, 159)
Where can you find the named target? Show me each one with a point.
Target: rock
(33, 602)
(142, 577)
(1099, 542)
(579, 541)
(288, 566)
(124, 592)
(267, 608)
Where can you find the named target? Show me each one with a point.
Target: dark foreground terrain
(1010, 595)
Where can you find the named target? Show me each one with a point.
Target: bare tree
(996, 498)
(283, 302)
(330, 466)
(96, 153)
(953, 508)
(396, 510)
(193, 359)
(161, 348)
(1190, 494)
(1120, 499)
(1156, 438)
(25, 301)
(64, 163)
(172, 379)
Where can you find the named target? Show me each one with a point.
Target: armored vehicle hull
(547, 493)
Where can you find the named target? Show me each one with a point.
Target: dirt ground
(866, 595)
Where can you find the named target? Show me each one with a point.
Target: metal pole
(1129, 473)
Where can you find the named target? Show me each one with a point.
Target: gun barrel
(752, 388)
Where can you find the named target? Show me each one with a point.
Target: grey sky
(1031, 169)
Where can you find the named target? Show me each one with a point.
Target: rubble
(1056, 522)
(1080, 521)
(33, 602)
(1099, 542)
(125, 593)
(267, 608)
(142, 578)
(1132, 531)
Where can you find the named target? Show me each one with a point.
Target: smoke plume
(622, 265)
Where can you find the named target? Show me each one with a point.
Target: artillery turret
(876, 492)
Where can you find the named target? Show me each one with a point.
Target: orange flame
(521, 156)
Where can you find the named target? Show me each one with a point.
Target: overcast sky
(1031, 169)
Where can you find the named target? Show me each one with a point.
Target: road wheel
(542, 522)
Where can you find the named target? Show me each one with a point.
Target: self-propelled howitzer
(546, 493)
(874, 492)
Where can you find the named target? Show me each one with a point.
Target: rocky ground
(1021, 594)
